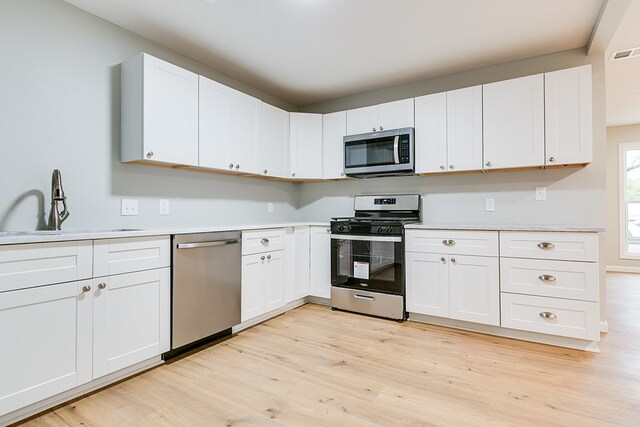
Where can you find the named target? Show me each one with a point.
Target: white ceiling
(623, 76)
(306, 51)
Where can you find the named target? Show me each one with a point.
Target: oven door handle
(367, 238)
(396, 153)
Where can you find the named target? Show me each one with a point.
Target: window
(630, 200)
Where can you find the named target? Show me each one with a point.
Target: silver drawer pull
(264, 241)
(449, 242)
(547, 278)
(364, 297)
(546, 245)
(548, 315)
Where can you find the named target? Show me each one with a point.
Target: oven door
(372, 263)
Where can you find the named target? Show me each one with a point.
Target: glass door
(630, 200)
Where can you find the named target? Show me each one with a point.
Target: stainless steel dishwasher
(206, 286)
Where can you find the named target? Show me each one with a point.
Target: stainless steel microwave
(384, 153)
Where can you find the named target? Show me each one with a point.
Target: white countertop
(496, 227)
(14, 237)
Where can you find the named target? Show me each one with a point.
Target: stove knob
(380, 229)
(389, 229)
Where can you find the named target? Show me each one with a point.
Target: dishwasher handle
(208, 244)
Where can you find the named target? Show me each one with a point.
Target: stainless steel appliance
(206, 286)
(384, 153)
(367, 255)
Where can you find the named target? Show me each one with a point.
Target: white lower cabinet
(263, 283)
(320, 262)
(299, 264)
(427, 284)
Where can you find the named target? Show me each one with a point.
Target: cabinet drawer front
(561, 279)
(117, 256)
(567, 318)
(562, 246)
(29, 265)
(257, 241)
(455, 242)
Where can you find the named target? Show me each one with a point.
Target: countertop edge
(481, 227)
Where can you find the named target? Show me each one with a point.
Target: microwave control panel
(404, 154)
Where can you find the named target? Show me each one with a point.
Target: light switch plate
(270, 207)
(129, 207)
(163, 207)
(490, 205)
(541, 193)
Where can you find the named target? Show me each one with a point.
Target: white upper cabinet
(568, 111)
(391, 115)
(229, 125)
(306, 146)
(334, 128)
(513, 123)
(431, 133)
(449, 131)
(464, 129)
(274, 141)
(159, 112)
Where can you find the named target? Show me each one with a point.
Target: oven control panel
(385, 201)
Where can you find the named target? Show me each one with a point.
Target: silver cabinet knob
(546, 245)
(444, 260)
(547, 278)
(86, 288)
(381, 128)
(449, 242)
(268, 256)
(374, 128)
(230, 165)
(488, 164)
(451, 167)
(237, 166)
(453, 260)
(262, 257)
(264, 241)
(149, 154)
(442, 167)
(293, 174)
(552, 159)
(265, 171)
(102, 286)
(548, 315)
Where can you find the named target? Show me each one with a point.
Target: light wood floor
(312, 366)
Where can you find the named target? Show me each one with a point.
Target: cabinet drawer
(257, 241)
(561, 279)
(542, 245)
(37, 264)
(455, 242)
(567, 318)
(125, 255)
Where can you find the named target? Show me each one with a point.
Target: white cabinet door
(431, 133)
(274, 280)
(252, 286)
(131, 319)
(126, 255)
(474, 289)
(427, 284)
(274, 141)
(362, 120)
(242, 139)
(464, 129)
(568, 111)
(213, 121)
(46, 337)
(301, 264)
(320, 262)
(513, 123)
(306, 145)
(170, 113)
(397, 114)
(334, 128)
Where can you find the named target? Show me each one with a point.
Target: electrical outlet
(129, 207)
(270, 207)
(541, 193)
(163, 207)
(490, 205)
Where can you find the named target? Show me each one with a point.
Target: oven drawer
(561, 279)
(257, 241)
(454, 242)
(553, 316)
(372, 303)
(543, 245)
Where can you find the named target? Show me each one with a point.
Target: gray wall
(60, 108)
(615, 136)
(574, 196)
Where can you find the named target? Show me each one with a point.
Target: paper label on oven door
(361, 270)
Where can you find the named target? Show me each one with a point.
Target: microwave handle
(396, 154)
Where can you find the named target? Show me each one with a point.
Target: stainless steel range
(367, 255)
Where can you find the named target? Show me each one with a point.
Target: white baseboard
(604, 326)
(266, 316)
(622, 269)
(319, 300)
